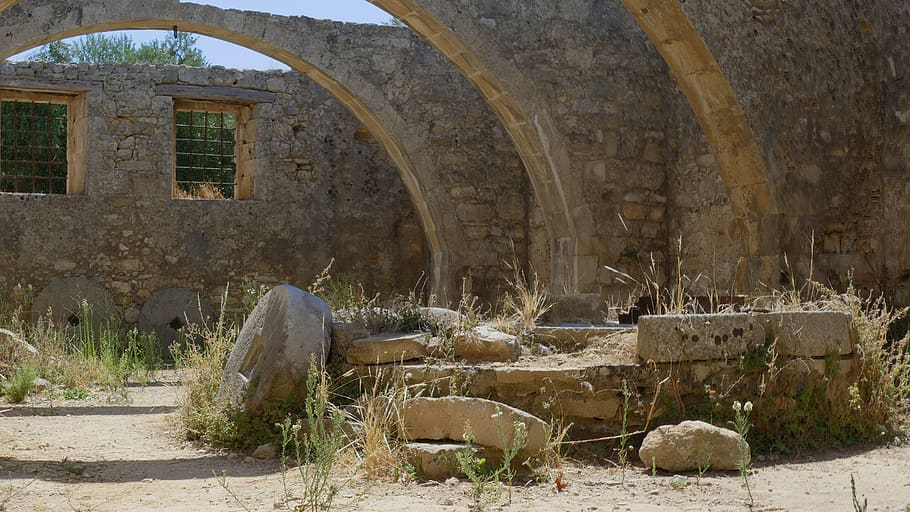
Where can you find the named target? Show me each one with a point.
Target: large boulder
(284, 333)
(692, 445)
(447, 418)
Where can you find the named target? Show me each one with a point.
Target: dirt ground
(99, 456)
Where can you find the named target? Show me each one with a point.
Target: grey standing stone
(285, 331)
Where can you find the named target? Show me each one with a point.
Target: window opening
(33, 147)
(206, 162)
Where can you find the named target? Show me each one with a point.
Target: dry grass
(377, 427)
(202, 415)
(199, 191)
(527, 299)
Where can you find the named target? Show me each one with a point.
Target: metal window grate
(205, 152)
(33, 147)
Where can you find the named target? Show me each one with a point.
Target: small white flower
(747, 407)
(737, 406)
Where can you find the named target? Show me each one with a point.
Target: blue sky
(229, 55)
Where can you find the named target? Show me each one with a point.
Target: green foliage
(27, 129)
(204, 418)
(624, 432)
(205, 151)
(394, 22)
(20, 383)
(758, 358)
(857, 507)
(104, 48)
(474, 467)
(81, 357)
(317, 446)
(485, 488)
(742, 425)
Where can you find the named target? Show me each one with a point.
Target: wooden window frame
(244, 172)
(76, 130)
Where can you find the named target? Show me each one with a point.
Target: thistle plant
(742, 425)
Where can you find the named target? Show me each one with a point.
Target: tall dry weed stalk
(673, 299)
(377, 425)
(204, 418)
(527, 300)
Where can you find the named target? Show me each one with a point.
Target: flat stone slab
(669, 338)
(584, 308)
(573, 337)
(448, 418)
(388, 348)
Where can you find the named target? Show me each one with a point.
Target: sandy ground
(93, 455)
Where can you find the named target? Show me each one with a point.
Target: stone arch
(723, 121)
(536, 139)
(298, 42)
(542, 149)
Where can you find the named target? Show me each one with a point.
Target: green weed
(20, 384)
(315, 448)
(742, 425)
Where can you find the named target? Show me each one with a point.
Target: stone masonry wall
(822, 87)
(325, 189)
(806, 75)
(610, 95)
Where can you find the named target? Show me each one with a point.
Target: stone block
(691, 445)
(601, 405)
(669, 338)
(441, 319)
(581, 308)
(284, 333)
(810, 333)
(447, 419)
(344, 333)
(436, 461)
(388, 348)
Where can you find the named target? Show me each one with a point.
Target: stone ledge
(388, 348)
(672, 338)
